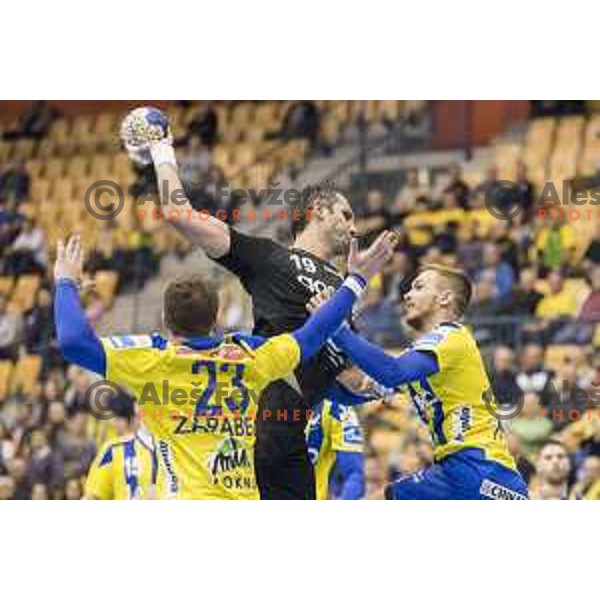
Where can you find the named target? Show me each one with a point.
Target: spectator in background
(457, 186)
(553, 468)
(409, 194)
(45, 466)
(558, 301)
(484, 306)
(565, 394)
(17, 469)
(378, 319)
(39, 325)
(490, 177)
(587, 486)
(28, 252)
(503, 380)
(374, 217)
(554, 243)
(36, 121)
(582, 330)
(75, 448)
(526, 189)
(204, 125)
(11, 327)
(302, 120)
(7, 487)
(107, 255)
(39, 492)
(592, 254)
(533, 376)
(525, 297)
(14, 183)
(555, 308)
(470, 248)
(8, 447)
(498, 271)
(532, 427)
(501, 235)
(73, 489)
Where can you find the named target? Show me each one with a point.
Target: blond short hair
(458, 282)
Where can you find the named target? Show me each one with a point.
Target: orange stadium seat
(24, 292)
(25, 374)
(6, 369)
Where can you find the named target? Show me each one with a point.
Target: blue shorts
(465, 475)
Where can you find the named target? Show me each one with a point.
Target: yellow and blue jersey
(452, 402)
(125, 468)
(332, 429)
(198, 400)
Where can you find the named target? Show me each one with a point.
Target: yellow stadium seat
(25, 291)
(596, 340)
(59, 130)
(25, 374)
(62, 189)
(6, 369)
(54, 168)
(40, 190)
(34, 167)
(23, 149)
(5, 151)
(106, 126)
(77, 167)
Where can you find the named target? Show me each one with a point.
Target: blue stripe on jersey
(107, 458)
(252, 341)
(130, 466)
(315, 434)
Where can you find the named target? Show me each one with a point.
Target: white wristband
(355, 285)
(163, 154)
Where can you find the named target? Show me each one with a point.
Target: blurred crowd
(535, 313)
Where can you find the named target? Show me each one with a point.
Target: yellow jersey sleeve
(99, 482)
(277, 357)
(346, 434)
(130, 359)
(446, 342)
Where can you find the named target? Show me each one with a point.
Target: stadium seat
(25, 291)
(25, 374)
(6, 369)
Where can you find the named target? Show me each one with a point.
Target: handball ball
(140, 128)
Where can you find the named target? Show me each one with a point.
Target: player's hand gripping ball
(141, 128)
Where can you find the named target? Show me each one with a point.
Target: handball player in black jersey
(280, 281)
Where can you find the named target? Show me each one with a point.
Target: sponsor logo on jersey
(230, 456)
(495, 491)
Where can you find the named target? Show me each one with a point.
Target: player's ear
(445, 298)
